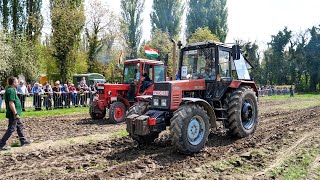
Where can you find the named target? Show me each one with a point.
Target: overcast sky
(252, 20)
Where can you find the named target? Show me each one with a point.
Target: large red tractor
(214, 85)
(119, 97)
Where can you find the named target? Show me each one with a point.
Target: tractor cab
(216, 63)
(141, 74)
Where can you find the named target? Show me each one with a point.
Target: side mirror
(236, 52)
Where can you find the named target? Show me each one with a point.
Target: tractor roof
(207, 43)
(146, 61)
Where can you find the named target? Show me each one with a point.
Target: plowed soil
(283, 130)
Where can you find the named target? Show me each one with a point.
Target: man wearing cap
(13, 113)
(22, 91)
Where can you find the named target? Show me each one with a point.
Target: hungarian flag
(120, 61)
(151, 53)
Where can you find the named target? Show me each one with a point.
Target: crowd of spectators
(58, 96)
(269, 90)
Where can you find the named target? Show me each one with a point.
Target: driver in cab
(146, 81)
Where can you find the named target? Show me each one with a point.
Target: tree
(68, 20)
(201, 35)
(101, 29)
(166, 16)
(313, 56)
(278, 64)
(208, 13)
(131, 23)
(297, 61)
(6, 56)
(17, 16)
(4, 8)
(24, 62)
(34, 19)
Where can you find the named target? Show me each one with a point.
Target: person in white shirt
(22, 92)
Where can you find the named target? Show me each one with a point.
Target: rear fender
(206, 107)
(237, 83)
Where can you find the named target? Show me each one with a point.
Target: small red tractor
(214, 85)
(119, 97)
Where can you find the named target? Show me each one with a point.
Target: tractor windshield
(158, 73)
(198, 64)
(130, 73)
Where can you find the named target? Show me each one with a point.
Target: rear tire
(138, 108)
(242, 110)
(189, 128)
(146, 139)
(117, 112)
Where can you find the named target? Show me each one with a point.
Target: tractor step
(220, 109)
(221, 119)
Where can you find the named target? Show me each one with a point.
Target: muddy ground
(76, 147)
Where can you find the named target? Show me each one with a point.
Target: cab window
(158, 73)
(224, 69)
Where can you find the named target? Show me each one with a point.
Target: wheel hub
(246, 111)
(118, 113)
(195, 130)
(247, 114)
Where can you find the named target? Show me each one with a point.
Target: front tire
(139, 108)
(117, 112)
(242, 110)
(94, 115)
(189, 128)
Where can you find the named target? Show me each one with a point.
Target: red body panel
(184, 85)
(116, 90)
(119, 91)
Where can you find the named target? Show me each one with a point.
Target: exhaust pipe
(174, 59)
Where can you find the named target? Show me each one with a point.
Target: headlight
(109, 93)
(156, 102)
(163, 102)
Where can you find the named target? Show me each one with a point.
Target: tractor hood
(183, 85)
(113, 87)
(171, 92)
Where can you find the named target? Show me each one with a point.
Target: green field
(296, 96)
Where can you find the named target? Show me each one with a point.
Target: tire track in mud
(60, 127)
(313, 174)
(122, 158)
(221, 146)
(283, 154)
